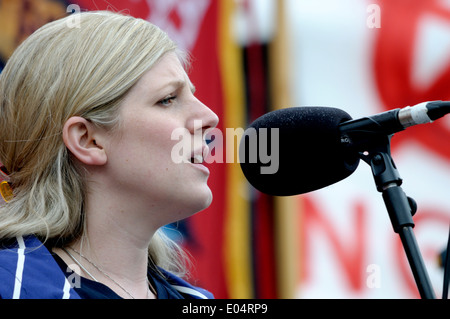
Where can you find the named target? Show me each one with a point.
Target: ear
(79, 136)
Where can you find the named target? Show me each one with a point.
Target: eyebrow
(180, 83)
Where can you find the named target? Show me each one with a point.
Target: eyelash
(168, 100)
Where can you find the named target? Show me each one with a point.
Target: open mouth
(197, 159)
(199, 155)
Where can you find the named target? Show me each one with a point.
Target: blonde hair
(61, 71)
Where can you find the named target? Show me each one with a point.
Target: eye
(167, 101)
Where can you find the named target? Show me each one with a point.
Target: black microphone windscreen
(296, 150)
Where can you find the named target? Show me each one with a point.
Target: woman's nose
(202, 118)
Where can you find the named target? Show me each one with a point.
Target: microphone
(307, 150)
(314, 147)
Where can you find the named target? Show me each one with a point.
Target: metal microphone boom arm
(375, 151)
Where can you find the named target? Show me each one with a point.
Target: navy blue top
(28, 270)
(90, 289)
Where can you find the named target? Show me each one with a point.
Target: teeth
(197, 159)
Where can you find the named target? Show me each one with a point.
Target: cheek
(161, 149)
(152, 141)
(149, 133)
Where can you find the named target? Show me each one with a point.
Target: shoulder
(184, 288)
(28, 270)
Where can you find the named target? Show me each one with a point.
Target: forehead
(167, 71)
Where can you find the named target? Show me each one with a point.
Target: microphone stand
(400, 207)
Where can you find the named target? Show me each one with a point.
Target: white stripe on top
(66, 289)
(19, 269)
(189, 291)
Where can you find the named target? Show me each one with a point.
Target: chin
(201, 203)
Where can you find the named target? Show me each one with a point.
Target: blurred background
(254, 56)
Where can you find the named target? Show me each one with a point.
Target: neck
(114, 249)
(115, 252)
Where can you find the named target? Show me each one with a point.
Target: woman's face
(149, 161)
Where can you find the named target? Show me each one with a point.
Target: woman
(87, 115)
